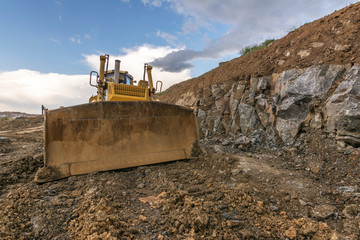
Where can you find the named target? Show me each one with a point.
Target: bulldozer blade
(105, 136)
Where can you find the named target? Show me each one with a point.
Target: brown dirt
(333, 39)
(305, 192)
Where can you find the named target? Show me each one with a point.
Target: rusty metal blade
(103, 136)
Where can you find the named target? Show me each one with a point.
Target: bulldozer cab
(116, 85)
(124, 77)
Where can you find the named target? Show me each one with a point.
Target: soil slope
(333, 39)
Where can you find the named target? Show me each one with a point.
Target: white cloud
(249, 22)
(155, 3)
(133, 59)
(87, 36)
(190, 27)
(55, 40)
(75, 39)
(60, 18)
(58, 3)
(169, 38)
(27, 90)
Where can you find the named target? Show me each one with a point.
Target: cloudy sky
(48, 47)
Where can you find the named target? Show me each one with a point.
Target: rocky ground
(306, 191)
(280, 155)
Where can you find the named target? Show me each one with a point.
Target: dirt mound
(19, 170)
(5, 146)
(20, 123)
(332, 39)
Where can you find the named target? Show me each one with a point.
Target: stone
(206, 103)
(242, 140)
(315, 167)
(218, 127)
(142, 218)
(346, 189)
(341, 144)
(216, 91)
(314, 81)
(262, 83)
(101, 216)
(273, 208)
(226, 142)
(233, 107)
(278, 81)
(299, 92)
(345, 47)
(226, 122)
(310, 228)
(222, 105)
(317, 119)
(238, 91)
(218, 149)
(235, 126)
(323, 211)
(235, 172)
(304, 53)
(257, 136)
(264, 112)
(302, 202)
(76, 193)
(207, 92)
(290, 233)
(254, 83)
(201, 116)
(280, 62)
(351, 211)
(287, 129)
(317, 44)
(343, 109)
(337, 236)
(249, 120)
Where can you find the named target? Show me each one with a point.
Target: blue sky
(48, 47)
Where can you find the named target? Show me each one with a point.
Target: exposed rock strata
(279, 106)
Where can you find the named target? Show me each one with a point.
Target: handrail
(97, 77)
(158, 81)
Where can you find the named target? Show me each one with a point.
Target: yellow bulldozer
(121, 127)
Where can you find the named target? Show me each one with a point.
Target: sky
(49, 47)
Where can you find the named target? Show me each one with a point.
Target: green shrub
(253, 48)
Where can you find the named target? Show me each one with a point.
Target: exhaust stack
(117, 70)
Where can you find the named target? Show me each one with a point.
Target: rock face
(279, 106)
(343, 109)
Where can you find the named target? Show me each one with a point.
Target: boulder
(314, 81)
(249, 120)
(343, 109)
(300, 92)
(323, 211)
(201, 116)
